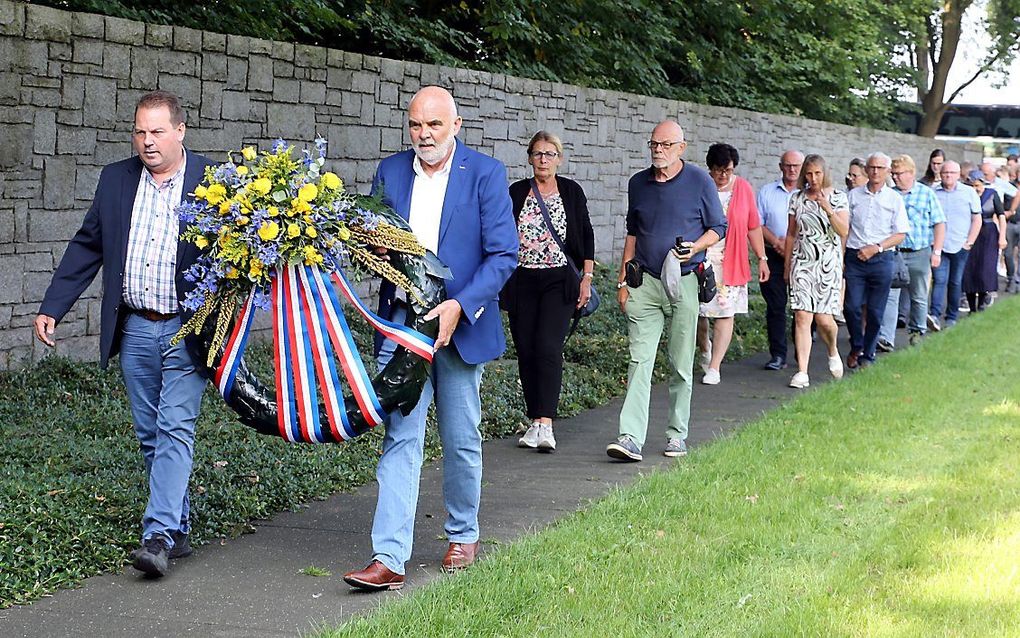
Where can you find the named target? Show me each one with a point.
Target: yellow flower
(232, 273)
(273, 211)
(343, 233)
(200, 192)
(311, 232)
(260, 186)
(255, 270)
(308, 192)
(293, 230)
(312, 256)
(269, 231)
(298, 206)
(225, 206)
(242, 220)
(216, 194)
(201, 241)
(248, 153)
(331, 181)
(242, 170)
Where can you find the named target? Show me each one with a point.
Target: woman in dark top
(931, 174)
(979, 275)
(544, 293)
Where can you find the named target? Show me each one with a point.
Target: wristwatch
(588, 274)
(620, 284)
(880, 248)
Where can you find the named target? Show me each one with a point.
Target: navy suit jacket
(102, 241)
(477, 242)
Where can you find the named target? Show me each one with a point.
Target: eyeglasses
(876, 168)
(721, 171)
(786, 166)
(652, 144)
(549, 155)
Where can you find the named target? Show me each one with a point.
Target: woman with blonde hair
(819, 222)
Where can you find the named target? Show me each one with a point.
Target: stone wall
(69, 82)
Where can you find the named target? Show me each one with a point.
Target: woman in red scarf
(729, 259)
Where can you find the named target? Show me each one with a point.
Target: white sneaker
(800, 380)
(706, 357)
(836, 367)
(530, 438)
(711, 377)
(546, 440)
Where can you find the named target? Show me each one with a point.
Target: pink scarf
(741, 216)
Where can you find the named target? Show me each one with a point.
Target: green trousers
(648, 310)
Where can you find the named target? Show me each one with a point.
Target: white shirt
(875, 216)
(427, 197)
(1004, 188)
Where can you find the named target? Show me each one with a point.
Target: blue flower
(320, 145)
(279, 145)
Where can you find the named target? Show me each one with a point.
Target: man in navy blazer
(131, 231)
(457, 203)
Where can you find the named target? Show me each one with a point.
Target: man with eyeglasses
(671, 206)
(921, 250)
(774, 208)
(878, 223)
(962, 207)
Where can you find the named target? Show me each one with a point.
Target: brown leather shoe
(375, 577)
(852, 359)
(460, 556)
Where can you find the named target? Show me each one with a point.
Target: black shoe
(153, 557)
(901, 323)
(885, 346)
(776, 363)
(182, 548)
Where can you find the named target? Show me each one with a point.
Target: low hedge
(72, 486)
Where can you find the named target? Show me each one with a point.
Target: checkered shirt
(923, 211)
(152, 244)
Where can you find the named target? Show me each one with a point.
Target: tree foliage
(825, 59)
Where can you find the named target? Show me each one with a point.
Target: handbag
(593, 300)
(706, 282)
(900, 274)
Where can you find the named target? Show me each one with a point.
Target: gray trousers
(1012, 246)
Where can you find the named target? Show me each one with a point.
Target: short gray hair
(879, 155)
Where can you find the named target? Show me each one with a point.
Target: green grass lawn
(884, 505)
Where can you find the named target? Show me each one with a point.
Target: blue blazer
(477, 242)
(102, 241)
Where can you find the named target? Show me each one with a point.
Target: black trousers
(540, 316)
(775, 293)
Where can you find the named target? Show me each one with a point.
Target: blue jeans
(867, 282)
(455, 386)
(165, 392)
(948, 284)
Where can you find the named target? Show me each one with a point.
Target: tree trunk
(933, 103)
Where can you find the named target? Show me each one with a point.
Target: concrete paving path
(251, 586)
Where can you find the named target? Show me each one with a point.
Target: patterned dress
(729, 300)
(816, 269)
(538, 249)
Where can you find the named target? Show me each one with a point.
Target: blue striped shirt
(923, 211)
(152, 244)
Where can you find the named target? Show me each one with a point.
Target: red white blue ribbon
(310, 334)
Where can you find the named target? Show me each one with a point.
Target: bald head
(988, 170)
(949, 174)
(433, 123)
(668, 130)
(667, 145)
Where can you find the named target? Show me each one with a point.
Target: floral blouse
(538, 248)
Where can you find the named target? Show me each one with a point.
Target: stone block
(363, 82)
(144, 68)
(237, 74)
(353, 61)
(387, 93)
(313, 92)
(27, 56)
(39, 262)
(355, 142)
(58, 184)
(6, 225)
(257, 46)
(260, 73)
(236, 105)
(334, 58)
(24, 189)
(54, 225)
(18, 144)
(341, 79)
(238, 45)
(214, 67)
(316, 75)
(44, 23)
(290, 121)
(117, 61)
(212, 100)
(286, 90)
(351, 104)
(282, 51)
(86, 179)
(12, 18)
(371, 63)
(177, 62)
(186, 39)
(392, 140)
(34, 286)
(283, 69)
(41, 98)
(12, 268)
(109, 152)
(76, 140)
(59, 51)
(310, 56)
(87, 51)
(159, 35)
(89, 25)
(187, 88)
(125, 31)
(216, 42)
(10, 88)
(45, 131)
(99, 108)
